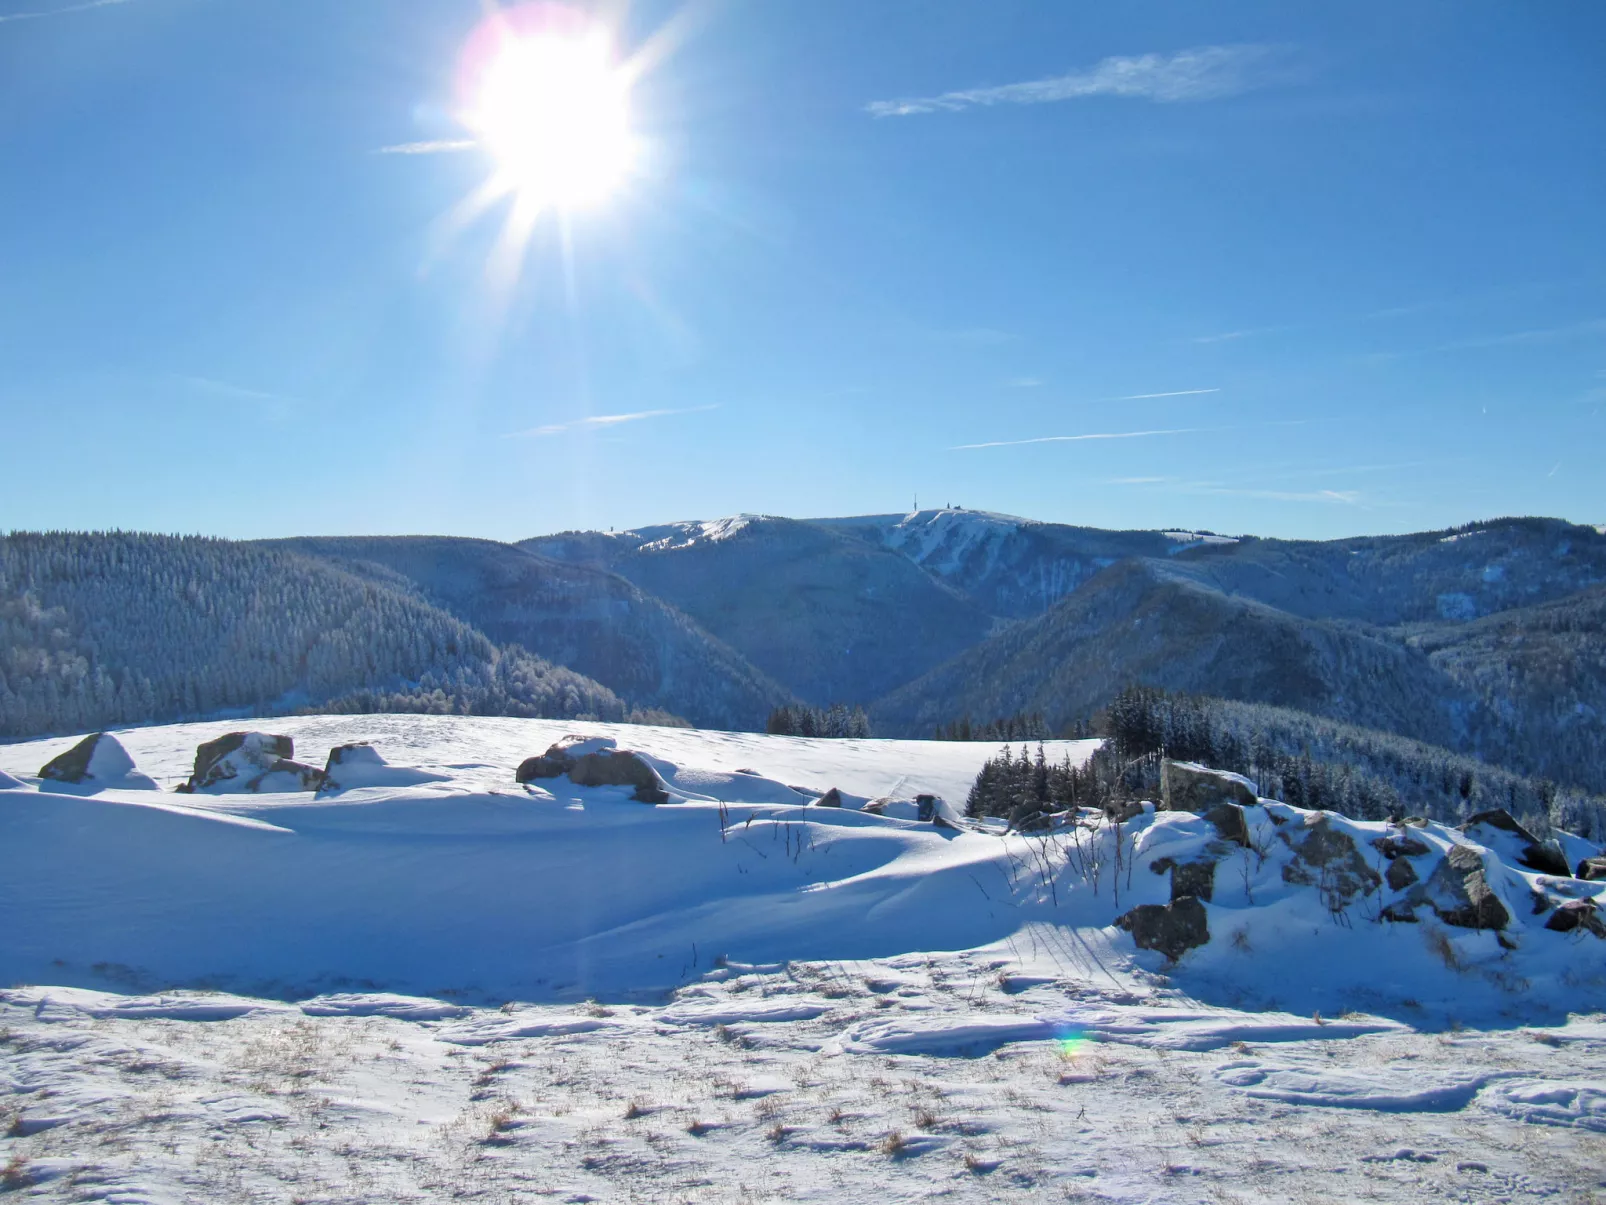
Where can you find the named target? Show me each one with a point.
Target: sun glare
(552, 108)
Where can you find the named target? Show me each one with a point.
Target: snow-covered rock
(255, 762)
(359, 764)
(596, 762)
(1173, 929)
(98, 762)
(1459, 891)
(1189, 787)
(1498, 830)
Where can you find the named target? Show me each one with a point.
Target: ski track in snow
(785, 1003)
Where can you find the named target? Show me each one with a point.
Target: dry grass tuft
(1439, 942)
(500, 1123)
(14, 1174)
(894, 1145)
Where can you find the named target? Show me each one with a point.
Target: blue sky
(1290, 269)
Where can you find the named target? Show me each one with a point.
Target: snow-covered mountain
(1013, 567)
(830, 616)
(588, 619)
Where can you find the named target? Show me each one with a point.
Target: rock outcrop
(359, 753)
(1575, 915)
(1400, 874)
(1188, 787)
(99, 760)
(250, 761)
(1592, 870)
(596, 762)
(619, 768)
(1401, 845)
(1497, 828)
(1173, 929)
(831, 799)
(1459, 893)
(1196, 877)
(1328, 860)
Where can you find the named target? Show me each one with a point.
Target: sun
(546, 99)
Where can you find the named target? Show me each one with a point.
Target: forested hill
(99, 630)
(593, 621)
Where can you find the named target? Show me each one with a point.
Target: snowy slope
(791, 1002)
(474, 885)
(1012, 566)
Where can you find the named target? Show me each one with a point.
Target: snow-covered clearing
(460, 989)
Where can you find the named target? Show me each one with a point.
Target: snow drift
(468, 884)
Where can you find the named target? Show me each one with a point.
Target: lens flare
(1072, 1043)
(539, 87)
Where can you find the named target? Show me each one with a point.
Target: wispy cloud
(976, 336)
(56, 12)
(1549, 334)
(1141, 397)
(442, 146)
(1589, 328)
(593, 421)
(1201, 73)
(1069, 439)
(226, 389)
(1340, 497)
(1066, 439)
(1230, 336)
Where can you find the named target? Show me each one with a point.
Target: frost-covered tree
(103, 629)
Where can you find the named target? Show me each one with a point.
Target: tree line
(837, 720)
(1294, 757)
(99, 630)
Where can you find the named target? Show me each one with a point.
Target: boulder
(360, 765)
(1458, 891)
(831, 799)
(1592, 870)
(925, 808)
(1196, 878)
(1230, 823)
(1400, 875)
(358, 753)
(1327, 859)
(544, 766)
(1577, 914)
(1173, 928)
(1028, 817)
(1402, 845)
(619, 768)
(560, 758)
(1498, 827)
(99, 760)
(1120, 813)
(250, 761)
(1189, 787)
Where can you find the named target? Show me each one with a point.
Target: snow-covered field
(460, 989)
